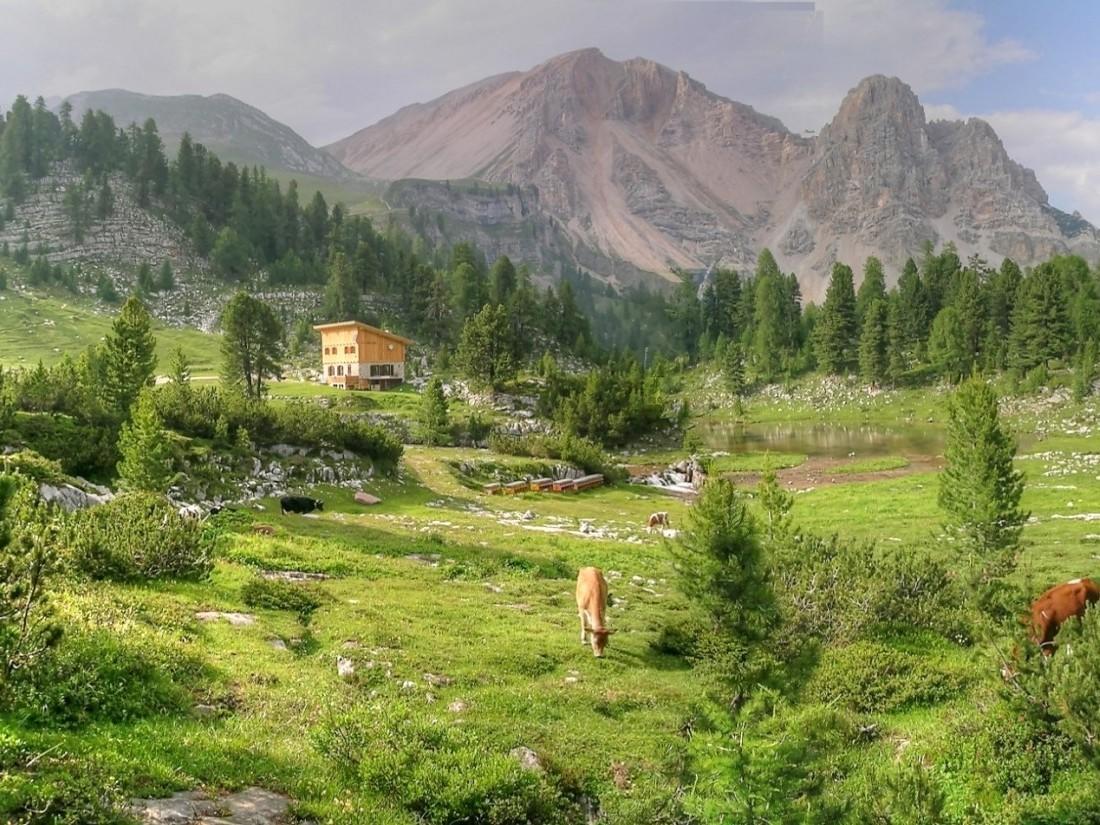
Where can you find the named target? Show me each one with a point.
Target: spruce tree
(252, 344)
(130, 359)
(146, 463)
(912, 312)
(502, 280)
(166, 279)
(770, 337)
(947, 347)
(1040, 320)
(179, 371)
(434, 421)
(980, 489)
(837, 332)
(485, 351)
(874, 344)
(871, 289)
(341, 302)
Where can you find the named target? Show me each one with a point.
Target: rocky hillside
(232, 129)
(641, 168)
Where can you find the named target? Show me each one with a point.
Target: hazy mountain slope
(643, 168)
(233, 129)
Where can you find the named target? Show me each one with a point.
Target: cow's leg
(1046, 638)
(584, 627)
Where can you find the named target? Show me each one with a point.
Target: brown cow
(591, 601)
(660, 519)
(1057, 606)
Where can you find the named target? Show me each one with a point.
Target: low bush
(80, 448)
(138, 536)
(577, 452)
(870, 677)
(280, 595)
(438, 772)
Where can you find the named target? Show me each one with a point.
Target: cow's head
(320, 504)
(599, 641)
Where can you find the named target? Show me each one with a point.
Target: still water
(824, 440)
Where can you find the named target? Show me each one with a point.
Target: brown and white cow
(660, 519)
(1057, 606)
(591, 603)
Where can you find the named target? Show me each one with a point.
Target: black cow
(300, 504)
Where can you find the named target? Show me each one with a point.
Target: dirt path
(824, 472)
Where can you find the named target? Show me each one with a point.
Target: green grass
(873, 465)
(39, 326)
(754, 462)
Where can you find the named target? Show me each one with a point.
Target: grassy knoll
(38, 325)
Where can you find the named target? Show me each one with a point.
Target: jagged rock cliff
(643, 169)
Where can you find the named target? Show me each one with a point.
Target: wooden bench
(491, 489)
(564, 485)
(513, 487)
(540, 484)
(587, 482)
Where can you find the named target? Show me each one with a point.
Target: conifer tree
(836, 331)
(1040, 322)
(252, 344)
(341, 302)
(166, 279)
(502, 280)
(146, 285)
(484, 352)
(980, 489)
(874, 343)
(947, 348)
(434, 421)
(179, 371)
(912, 311)
(871, 289)
(146, 463)
(771, 338)
(130, 359)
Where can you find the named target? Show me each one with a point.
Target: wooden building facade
(357, 356)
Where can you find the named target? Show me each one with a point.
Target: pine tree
(146, 285)
(471, 291)
(837, 332)
(166, 279)
(871, 289)
(179, 371)
(252, 344)
(896, 361)
(434, 420)
(1040, 320)
(912, 312)
(130, 359)
(947, 348)
(980, 489)
(874, 356)
(733, 368)
(502, 280)
(341, 301)
(770, 337)
(484, 351)
(146, 462)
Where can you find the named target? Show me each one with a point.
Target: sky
(330, 67)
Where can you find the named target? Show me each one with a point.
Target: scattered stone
(457, 706)
(252, 806)
(528, 759)
(345, 668)
(70, 498)
(438, 679)
(277, 644)
(430, 559)
(493, 588)
(366, 498)
(205, 711)
(294, 576)
(235, 619)
(408, 686)
(527, 515)
(620, 775)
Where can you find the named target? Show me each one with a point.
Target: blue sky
(330, 67)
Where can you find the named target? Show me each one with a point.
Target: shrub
(280, 595)
(578, 452)
(870, 677)
(81, 449)
(138, 536)
(437, 772)
(27, 539)
(97, 674)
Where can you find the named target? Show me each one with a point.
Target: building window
(340, 370)
(331, 371)
(381, 370)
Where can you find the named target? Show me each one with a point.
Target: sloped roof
(365, 327)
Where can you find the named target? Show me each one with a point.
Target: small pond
(816, 439)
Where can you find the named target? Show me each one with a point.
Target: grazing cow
(591, 602)
(1057, 606)
(299, 504)
(660, 519)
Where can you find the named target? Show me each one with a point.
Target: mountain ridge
(645, 165)
(232, 128)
